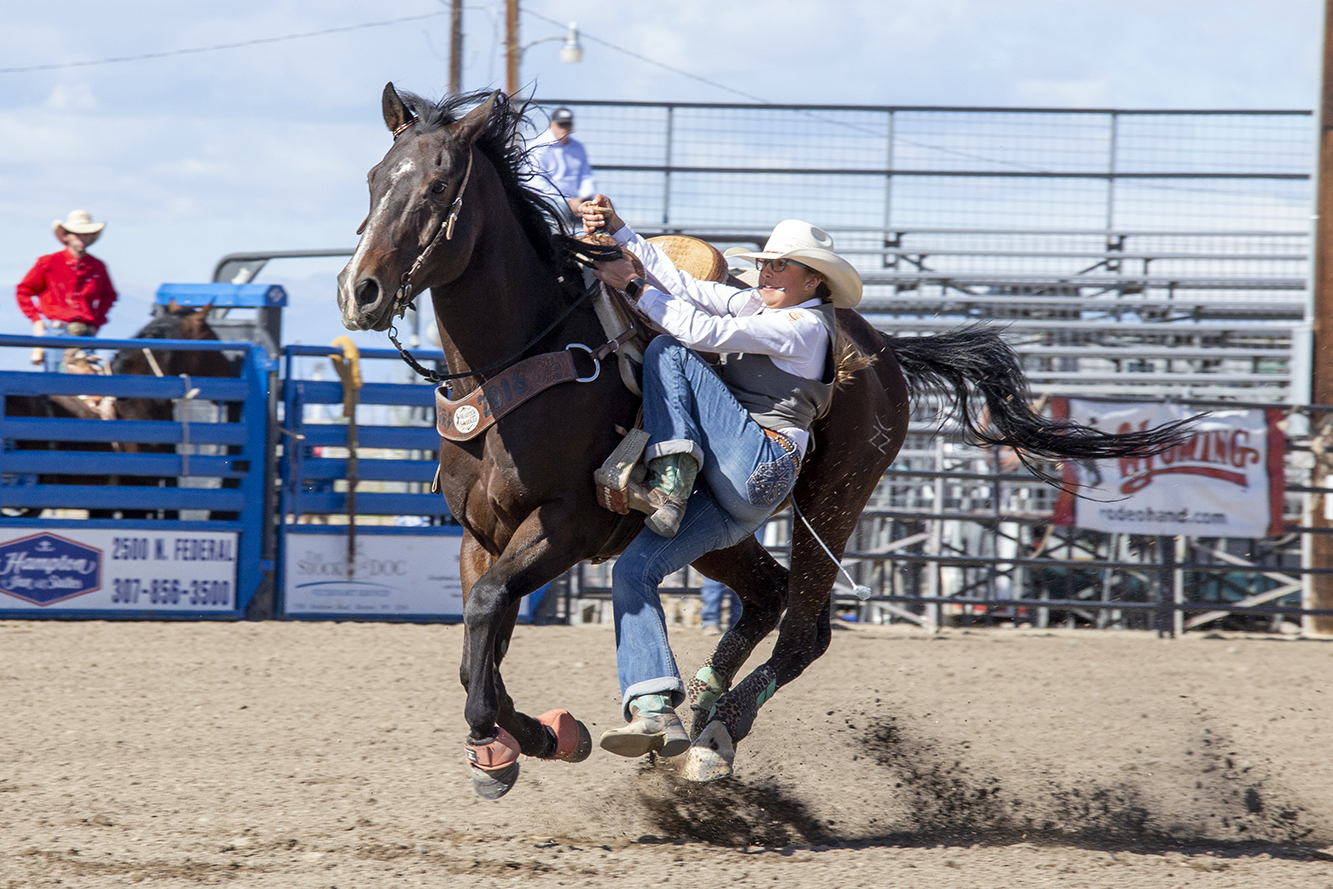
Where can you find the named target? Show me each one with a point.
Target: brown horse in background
(450, 211)
(175, 323)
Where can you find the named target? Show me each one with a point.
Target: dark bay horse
(450, 211)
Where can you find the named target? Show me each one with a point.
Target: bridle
(404, 299)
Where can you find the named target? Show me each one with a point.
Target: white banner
(105, 569)
(395, 575)
(1225, 481)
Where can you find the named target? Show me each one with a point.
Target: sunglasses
(780, 265)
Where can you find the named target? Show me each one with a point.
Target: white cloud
(71, 97)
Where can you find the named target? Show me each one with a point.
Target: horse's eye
(437, 188)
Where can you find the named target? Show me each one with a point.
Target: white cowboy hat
(78, 222)
(812, 247)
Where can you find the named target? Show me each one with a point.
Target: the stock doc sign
(1224, 480)
(45, 568)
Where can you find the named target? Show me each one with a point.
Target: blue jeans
(711, 594)
(744, 475)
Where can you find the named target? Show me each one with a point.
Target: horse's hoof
(493, 785)
(573, 742)
(494, 764)
(711, 756)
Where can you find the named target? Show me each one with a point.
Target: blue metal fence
(399, 561)
(118, 567)
(309, 478)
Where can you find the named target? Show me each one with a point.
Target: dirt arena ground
(329, 755)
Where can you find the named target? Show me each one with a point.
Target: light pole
(570, 53)
(456, 47)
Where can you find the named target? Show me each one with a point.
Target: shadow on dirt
(943, 802)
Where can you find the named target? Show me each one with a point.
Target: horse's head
(413, 227)
(176, 323)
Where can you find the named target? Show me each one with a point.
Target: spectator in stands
(69, 290)
(561, 164)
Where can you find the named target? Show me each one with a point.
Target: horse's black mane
(502, 144)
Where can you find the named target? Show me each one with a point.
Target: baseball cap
(562, 115)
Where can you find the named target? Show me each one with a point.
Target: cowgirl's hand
(617, 273)
(599, 214)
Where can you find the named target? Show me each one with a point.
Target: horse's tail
(983, 379)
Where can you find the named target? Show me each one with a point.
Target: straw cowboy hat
(812, 247)
(78, 222)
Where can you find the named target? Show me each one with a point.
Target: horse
(175, 323)
(451, 212)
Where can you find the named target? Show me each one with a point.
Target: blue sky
(192, 156)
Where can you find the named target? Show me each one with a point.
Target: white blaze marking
(404, 167)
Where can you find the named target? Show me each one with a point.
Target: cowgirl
(742, 429)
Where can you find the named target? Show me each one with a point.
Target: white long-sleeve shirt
(712, 317)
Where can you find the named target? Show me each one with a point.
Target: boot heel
(665, 522)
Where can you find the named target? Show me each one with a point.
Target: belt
(788, 446)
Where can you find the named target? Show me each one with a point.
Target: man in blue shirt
(561, 164)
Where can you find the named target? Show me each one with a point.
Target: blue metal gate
(203, 556)
(400, 559)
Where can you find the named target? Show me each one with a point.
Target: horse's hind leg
(761, 584)
(803, 634)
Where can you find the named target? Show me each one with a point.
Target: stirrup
(615, 475)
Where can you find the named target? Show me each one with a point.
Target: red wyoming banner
(1225, 480)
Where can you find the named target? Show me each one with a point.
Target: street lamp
(572, 52)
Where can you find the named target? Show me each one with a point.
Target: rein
(435, 377)
(405, 299)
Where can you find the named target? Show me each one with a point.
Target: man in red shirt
(71, 288)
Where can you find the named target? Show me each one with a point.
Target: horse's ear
(469, 128)
(173, 306)
(396, 112)
(204, 310)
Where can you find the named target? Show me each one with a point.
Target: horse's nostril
(367, 292)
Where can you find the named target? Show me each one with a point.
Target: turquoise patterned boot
(673, 477)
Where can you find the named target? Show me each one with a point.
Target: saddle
(623, 467)
(693, 256)
(103, 407)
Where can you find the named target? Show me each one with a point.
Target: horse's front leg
(553, 735)
(538, 551)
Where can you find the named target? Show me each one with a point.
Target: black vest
(777, 399)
